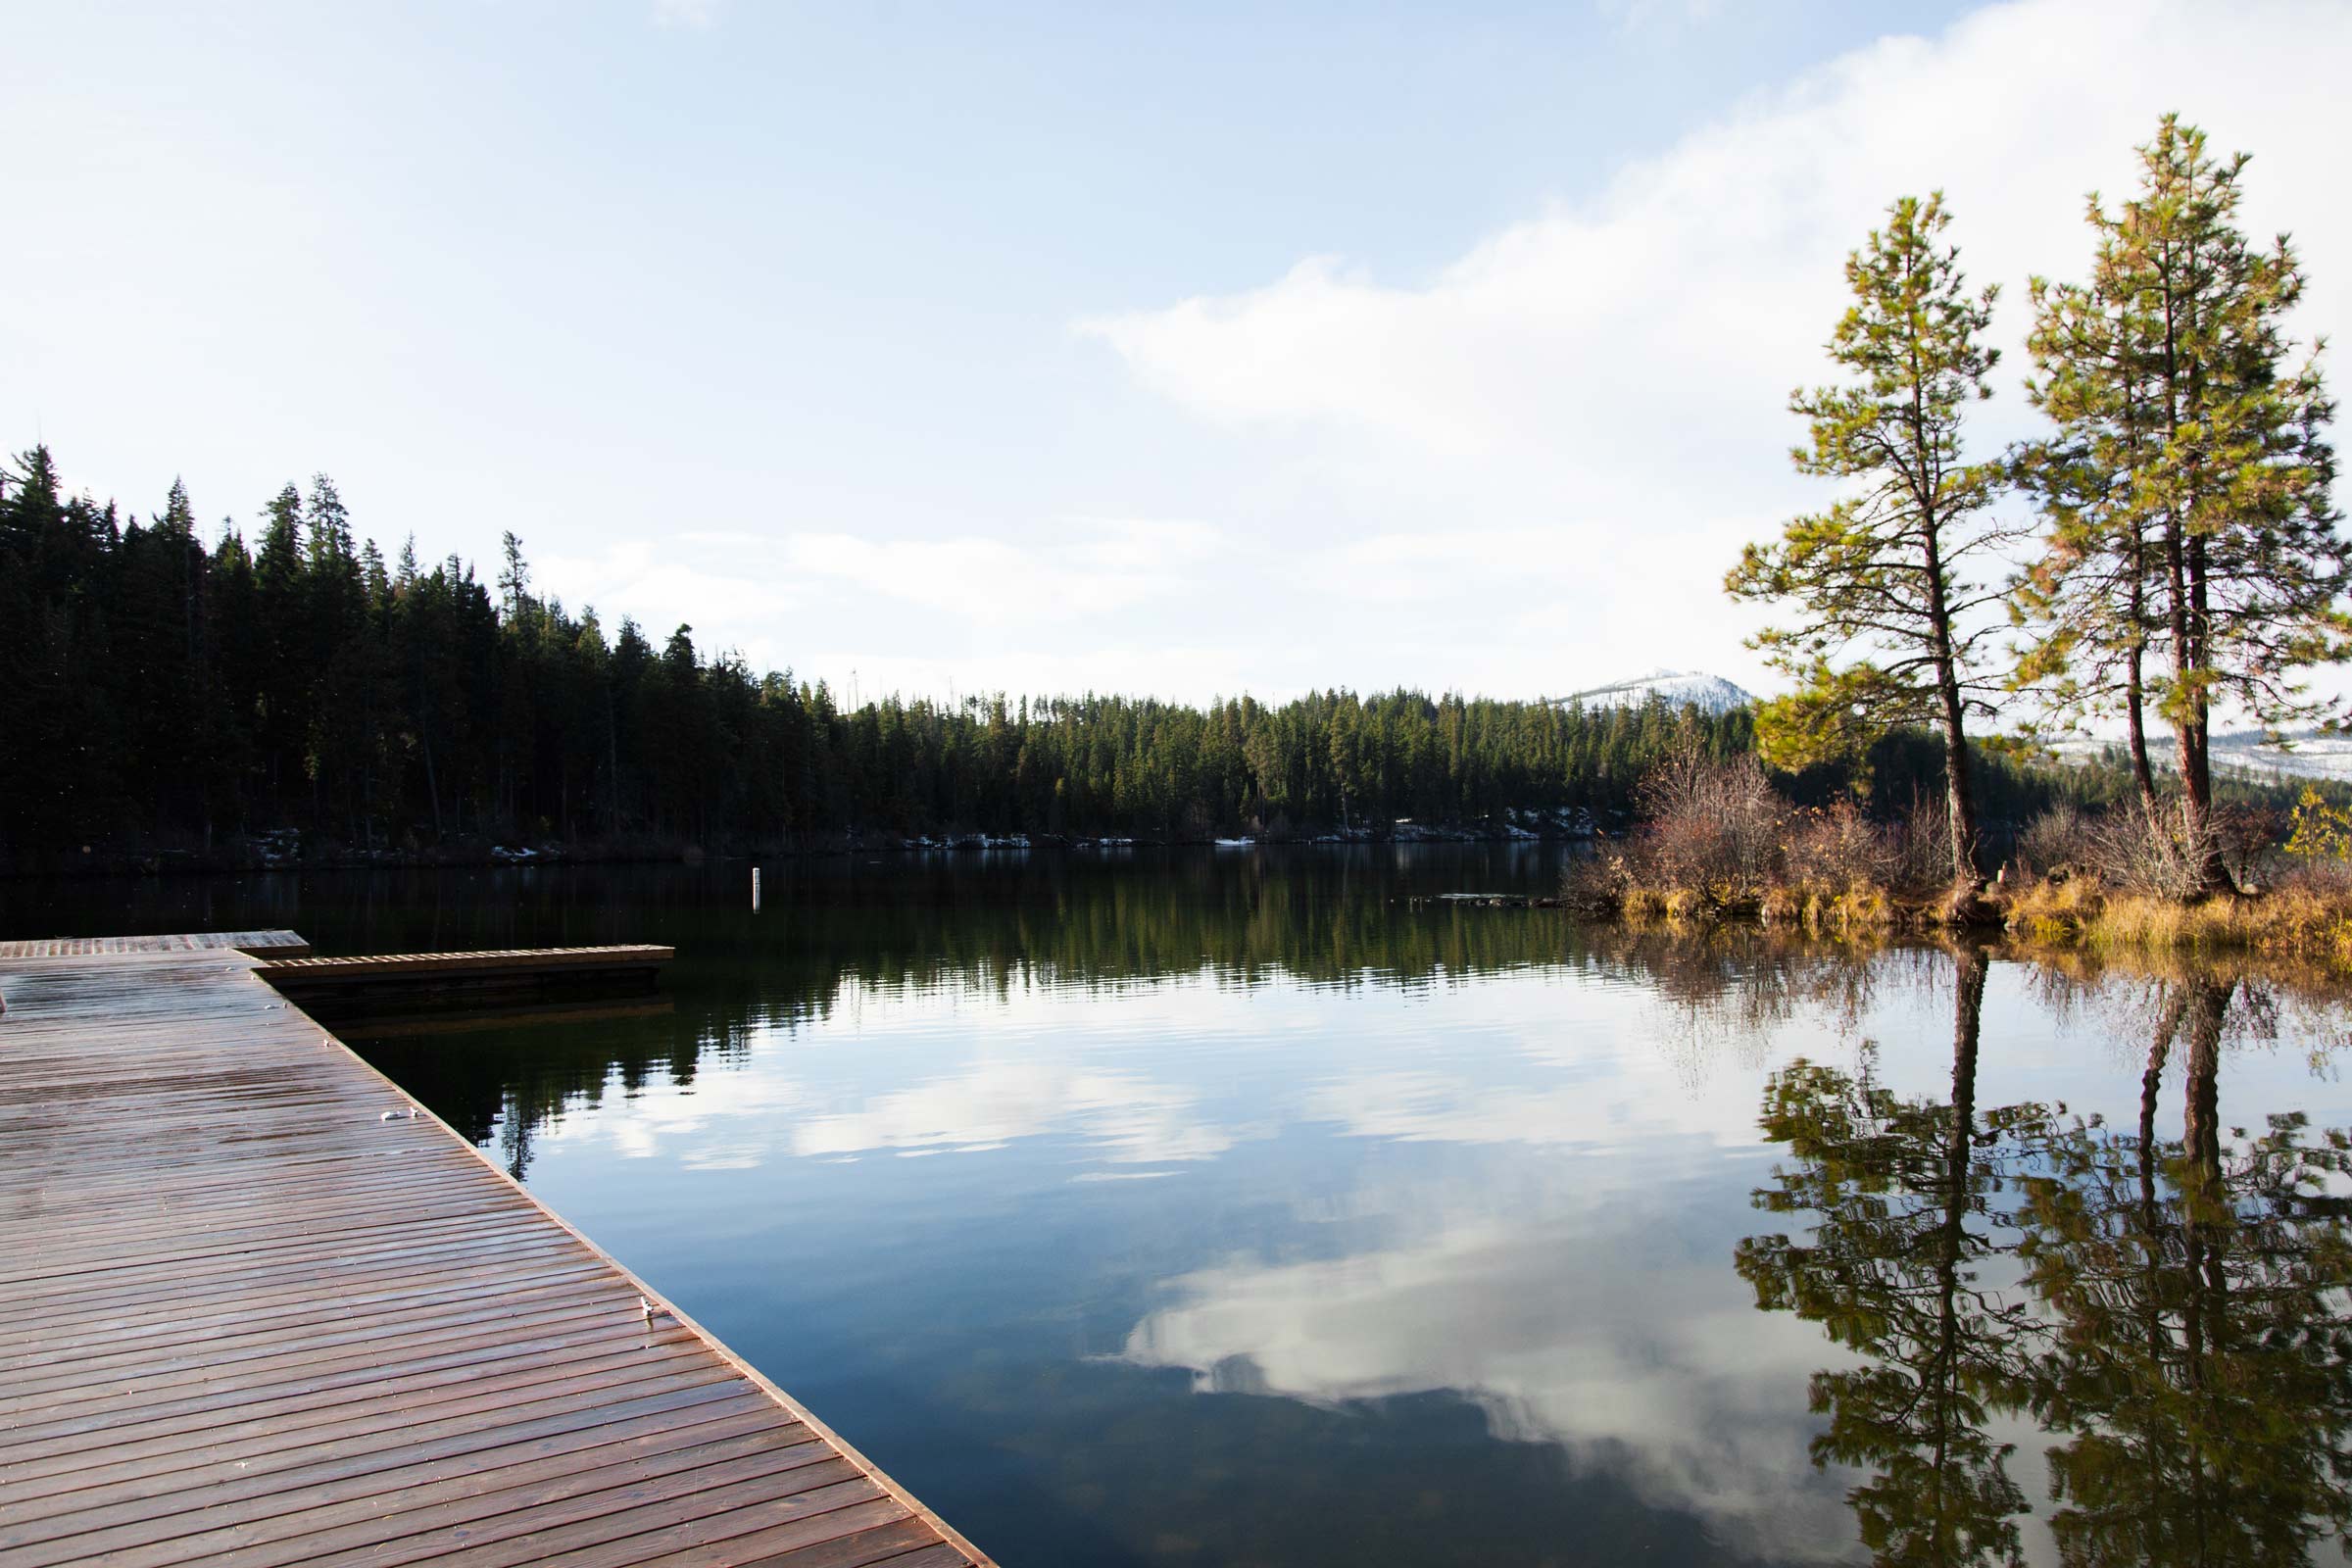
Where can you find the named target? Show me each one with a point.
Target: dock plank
(610, 956)
(282, 942)
(244, 1316)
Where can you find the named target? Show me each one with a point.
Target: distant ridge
(1675, 688)
(2246, 753)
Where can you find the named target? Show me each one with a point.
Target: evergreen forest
(170, 696)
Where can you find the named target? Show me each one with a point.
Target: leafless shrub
(1841, 848)
(2134, 851)
(1596, 883)
(2060, 842)
(2131, 851)
(1922, 840)
(1716, 826)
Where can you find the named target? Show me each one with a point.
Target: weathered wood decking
(244, 1318)
(271, 944)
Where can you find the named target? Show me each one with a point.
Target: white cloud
(1605, 382)
(1087, 570)
(695, 13)
(1077, 570)
(1702, 1409)
(1192, 672)
(1053, 614)
(1128, 1118)
(661, 590)
(997, 1090)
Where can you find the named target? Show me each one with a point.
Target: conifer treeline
(160, 692)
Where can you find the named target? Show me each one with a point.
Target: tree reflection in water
(2199, 1375)
(1893, 1271)
(2173, 1315)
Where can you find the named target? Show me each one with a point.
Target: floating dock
(505, 977)
(257, 1306)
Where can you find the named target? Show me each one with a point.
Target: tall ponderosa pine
(2092, 600)
(2190, 475)
(1890, 631)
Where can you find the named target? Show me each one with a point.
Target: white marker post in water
(755, 890)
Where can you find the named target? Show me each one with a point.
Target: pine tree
(2212, 447)
(281, 694)
(1889, 630)
(2091, 600)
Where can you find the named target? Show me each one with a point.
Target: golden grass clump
(1861, 907)
(1685, 903)
(1639, 903)
(2297, 921)
(1829, 909)
(2054, 911)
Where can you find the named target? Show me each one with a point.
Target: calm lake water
(1216, 1207)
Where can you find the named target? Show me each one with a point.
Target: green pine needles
(2184, 548)
(2190, 553)
(1890, 629)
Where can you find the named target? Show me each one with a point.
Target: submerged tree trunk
(2205, 1222)
(2155, 1338)
(2200, 1119)
(1967, 1013)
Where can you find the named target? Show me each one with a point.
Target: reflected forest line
(830, 937)
(2171, 1312)
(1326, 918)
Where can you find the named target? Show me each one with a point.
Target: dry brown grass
(1641, 903)
(1720, 845)
(1831, 909)
(2309, 922)
(2305, 920)
(2057, 910)
(1820, 907)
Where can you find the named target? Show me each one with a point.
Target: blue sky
(1052, 349)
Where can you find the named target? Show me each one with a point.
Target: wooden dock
(397, 981)
(262, 944)
(258, 1308)
(304, 969)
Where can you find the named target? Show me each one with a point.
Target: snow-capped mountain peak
(1675, 688)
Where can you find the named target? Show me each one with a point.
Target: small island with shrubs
(1720, 842)
(2176, 555)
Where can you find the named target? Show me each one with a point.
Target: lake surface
(1217, 1207)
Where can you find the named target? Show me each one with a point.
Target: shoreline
(2297, 921)
(258, 856)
